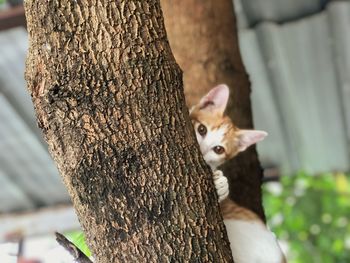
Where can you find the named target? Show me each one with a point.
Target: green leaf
(78, 239)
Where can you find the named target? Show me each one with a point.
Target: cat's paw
(221, 185)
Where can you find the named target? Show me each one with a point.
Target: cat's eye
(202, 130)
(219, 149)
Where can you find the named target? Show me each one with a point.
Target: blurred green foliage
(311, 213)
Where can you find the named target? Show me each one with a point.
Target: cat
(220, 140)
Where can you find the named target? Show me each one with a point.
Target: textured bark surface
(204, 41)
(109, 100)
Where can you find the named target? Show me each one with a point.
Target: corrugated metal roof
(305, 91)
(11, 195)
(26, 169)
(279, 11)
(14, 45)
(274, 150)
(339, 19)
(24, 158)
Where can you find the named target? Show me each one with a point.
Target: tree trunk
(203, 38)
(109, 99)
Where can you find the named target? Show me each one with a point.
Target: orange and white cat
(220, 140)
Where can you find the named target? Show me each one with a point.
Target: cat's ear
(216, 99)
(247, 138)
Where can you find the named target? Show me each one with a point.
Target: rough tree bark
(109, 99)
(203, 37)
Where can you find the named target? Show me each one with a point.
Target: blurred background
(297, 53)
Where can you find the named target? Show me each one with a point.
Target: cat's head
(219, 139)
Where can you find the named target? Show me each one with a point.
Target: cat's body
(220, 140)
(249, 237)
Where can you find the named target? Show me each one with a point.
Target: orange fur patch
(230, 210)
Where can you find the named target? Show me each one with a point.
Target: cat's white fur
(212, 138)
(250, 240)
